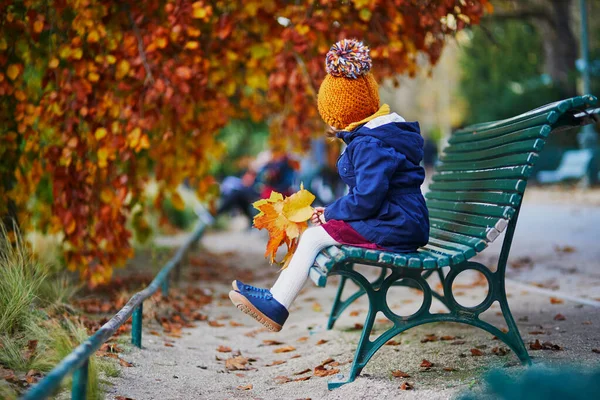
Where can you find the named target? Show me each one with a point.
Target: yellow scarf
(383, 110)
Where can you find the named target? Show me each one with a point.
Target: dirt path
(557, 239)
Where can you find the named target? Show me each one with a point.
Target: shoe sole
(246, 307)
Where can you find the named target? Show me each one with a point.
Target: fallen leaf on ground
(458, 342)
(500, 351)
(564, 249)
(327, 361)
(302, 339)
(400, 374)
(559, 317)
(282, 379)
(426, 364)
(125, 363)
(284, 349)
(169, 345)
(237, 363)
(476, 352)
(448, 337)
(154, 333)
(224, 349)
(276, 362)
(429, 338)
(302, 378)
(122, 398)
(322, 341)
(544, 346)
(304, 371)
(246, 387)
(449, 369)
(406, 386)
(255, 332)
(295, 356)
(317, 307)
(320, 370)
(555, 300)
(240, 375)
(354, 313)
(392, 342)
(233, 323)
(597, 351)
(271, 343)
(358, 326)
(215, 324)
(537, 333)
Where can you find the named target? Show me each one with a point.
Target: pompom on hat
(349, 93)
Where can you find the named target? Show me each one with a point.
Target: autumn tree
(96, 96)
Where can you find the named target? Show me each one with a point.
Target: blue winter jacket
(381, 168)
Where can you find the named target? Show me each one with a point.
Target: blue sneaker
(243, 288)
(262, 307)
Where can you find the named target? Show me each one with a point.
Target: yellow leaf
(274, 216)
(193, 45)
(297, 207)
(69, 229)
(177, 202)
(13, 71)
(93, 77)
(100, 133)
(161, 42)
(93, 37)
(53, 63)
(122, 69)
(102, 157)
(77, 53)
(111, 59)
(3, 44)
(38, 26)
(106, 195)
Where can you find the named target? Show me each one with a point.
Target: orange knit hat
(349, 92)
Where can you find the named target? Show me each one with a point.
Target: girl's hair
(331, 132)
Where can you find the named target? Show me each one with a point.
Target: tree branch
(141, 49)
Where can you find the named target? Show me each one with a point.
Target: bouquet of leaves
(285, 219)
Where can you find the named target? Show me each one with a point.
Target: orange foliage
(96, 96)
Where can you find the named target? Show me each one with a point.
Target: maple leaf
(285, 219)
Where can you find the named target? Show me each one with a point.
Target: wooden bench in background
(475, 196)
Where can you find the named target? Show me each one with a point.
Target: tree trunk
(560, 46)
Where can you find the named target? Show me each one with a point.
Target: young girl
(384, 208)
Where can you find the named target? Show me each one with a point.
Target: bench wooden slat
(480, 141)
(548, 113)
(469, 219)
(487, 210)
(488, 234)
(428, 261)
(452, 257)
(318, 276)
(503, 199)
(477, 244)
(508, 185)
(526, 146)
(467, 251)
(505, 161)
(520, 171)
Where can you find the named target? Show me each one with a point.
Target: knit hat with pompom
(349, 92)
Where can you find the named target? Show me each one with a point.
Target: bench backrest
(479, 183)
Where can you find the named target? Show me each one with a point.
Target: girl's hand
(318, 217)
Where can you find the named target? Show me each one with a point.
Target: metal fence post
(136, 325)
(80, 379)
(164, 286)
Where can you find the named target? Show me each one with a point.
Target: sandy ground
(555, 249)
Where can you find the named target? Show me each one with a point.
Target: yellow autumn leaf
(53, 63)
(13, 71)
(38, 26)
(285, 220)
(100, 133)
(177, 202)
(122, 69)
(102, 157)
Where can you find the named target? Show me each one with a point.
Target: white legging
(291, 279)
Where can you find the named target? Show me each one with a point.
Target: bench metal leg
(377, 294)
(339, 306)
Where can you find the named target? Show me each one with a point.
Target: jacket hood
(405, 137)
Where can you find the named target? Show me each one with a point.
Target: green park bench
(475, 195)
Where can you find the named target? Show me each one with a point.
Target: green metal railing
(77, 362)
